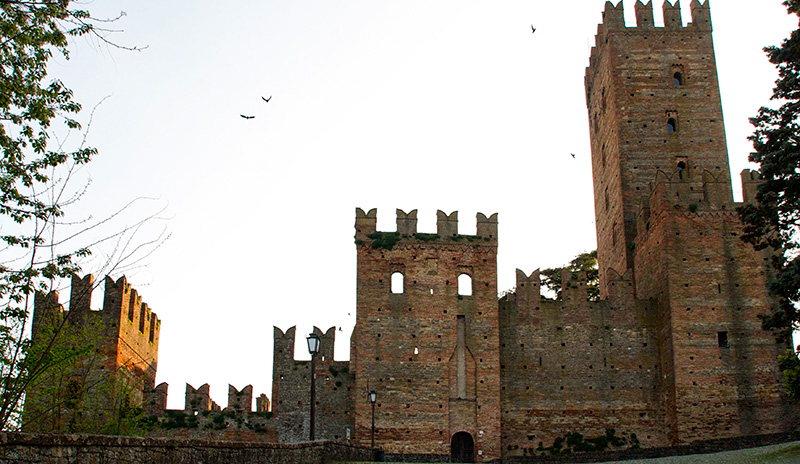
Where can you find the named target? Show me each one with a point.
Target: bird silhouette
(572, 154)
(533, 29)
(267, 99)
(247, 117)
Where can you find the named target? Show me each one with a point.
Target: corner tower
(654, 104)
(426, 338)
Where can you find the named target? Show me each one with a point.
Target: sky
(449, 105)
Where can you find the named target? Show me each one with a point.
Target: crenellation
(447, 225)
(701, 16)
(613, 16)
(80, 298)
(199, 399)
(644, 14)
(240, 400)
(751, 179)
(672, 15)
(486, 227)
(155, 399)
(366, 223)
(406, 223)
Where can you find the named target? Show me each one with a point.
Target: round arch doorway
(462, 448)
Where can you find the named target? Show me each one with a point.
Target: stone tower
(426, 337)
(654, 105)
(666, 219)
(83, 396)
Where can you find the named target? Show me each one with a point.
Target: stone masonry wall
(90, 449)
(577, 366)
(291, 391)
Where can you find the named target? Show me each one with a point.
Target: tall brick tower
(666, 219)
(654, 105)
(426, 338)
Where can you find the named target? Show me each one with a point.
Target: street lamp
(372, 398)
(313, 348)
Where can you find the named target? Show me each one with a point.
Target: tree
(551, 278)
(34, 183)
(773, 220)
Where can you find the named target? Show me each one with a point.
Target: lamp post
(372, 398)
(313, 348)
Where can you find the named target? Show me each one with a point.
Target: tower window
(677, 79)
(397, 282)
(464, 284)
(672, 125)
(722, 339)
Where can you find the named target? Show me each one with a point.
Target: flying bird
(247, 117)
(572, 154)
(533, 29)
(267, 99)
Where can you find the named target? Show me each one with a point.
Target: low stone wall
(28, 448)
(699, 447)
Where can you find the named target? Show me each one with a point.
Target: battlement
(750, 182)
(446, 225)
(686, 189)
(614, 20)
(199, 399)
(120, 300)
(240, 400)
(614, 16)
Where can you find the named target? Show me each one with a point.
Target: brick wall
(89, 449)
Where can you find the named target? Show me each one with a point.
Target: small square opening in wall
(722, 339)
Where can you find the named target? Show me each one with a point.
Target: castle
(672, 352)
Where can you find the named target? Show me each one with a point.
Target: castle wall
(291, 390)
(430, 354)
(123, 363)
(722, 377)
(574, 365)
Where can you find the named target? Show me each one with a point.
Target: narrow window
(672, 125)
(397, 282)
(677, 79)
(464, 284)
(722, 339)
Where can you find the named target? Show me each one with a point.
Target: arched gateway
(462, 448)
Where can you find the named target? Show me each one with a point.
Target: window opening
(722, 339)
(677, 79)
(672, 125)
(464, 284)
(397, 282)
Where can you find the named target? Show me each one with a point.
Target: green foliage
(772, 222)
(33, 178)
(385, 240)
(551, 278)
(789, 363)
(574, 442)
(427, 237)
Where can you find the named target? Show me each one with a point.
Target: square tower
(654, 105)
(426, 338)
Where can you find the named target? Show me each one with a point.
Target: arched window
(677, 79)
(672, 125)
(397, 282)
(464, 284)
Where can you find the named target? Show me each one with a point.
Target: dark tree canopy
(551, 278)
(773, 220)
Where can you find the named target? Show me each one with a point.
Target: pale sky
(412, 104)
